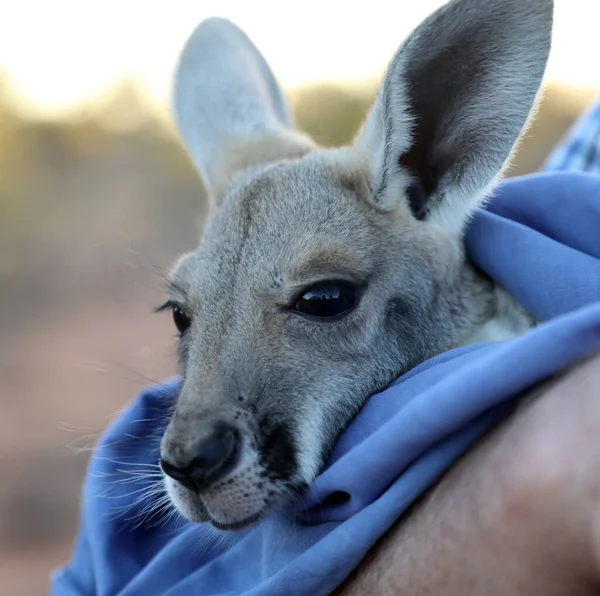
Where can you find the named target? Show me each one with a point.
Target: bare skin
(519, 514)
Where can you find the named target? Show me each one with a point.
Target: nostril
(182, 475)
(215, 457)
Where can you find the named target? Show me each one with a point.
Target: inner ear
(438, 87)
(418, 161)
(424, 162)
(417, 200)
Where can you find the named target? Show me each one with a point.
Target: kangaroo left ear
(452, 105)
(229, 110)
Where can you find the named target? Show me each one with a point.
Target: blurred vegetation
(332, 114)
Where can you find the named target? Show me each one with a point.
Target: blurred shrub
(331, 114)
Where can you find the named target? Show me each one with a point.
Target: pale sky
(59, 53)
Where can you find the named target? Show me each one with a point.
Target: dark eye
(182, 321)
(326, 301)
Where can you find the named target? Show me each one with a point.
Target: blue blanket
(540, 238)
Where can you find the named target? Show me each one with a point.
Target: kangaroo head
(324, 274)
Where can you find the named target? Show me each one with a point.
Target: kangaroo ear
(452, 104)
(228, 107)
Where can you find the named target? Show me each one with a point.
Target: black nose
(215, 456)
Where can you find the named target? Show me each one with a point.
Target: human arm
(519, 514)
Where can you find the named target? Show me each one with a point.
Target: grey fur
(287, 214)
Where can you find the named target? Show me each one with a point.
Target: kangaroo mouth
(238, 525)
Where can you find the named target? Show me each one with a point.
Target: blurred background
(97, 198)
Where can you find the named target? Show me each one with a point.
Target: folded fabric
(540, 238)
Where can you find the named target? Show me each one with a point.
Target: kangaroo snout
(207, 457)
(224, 465)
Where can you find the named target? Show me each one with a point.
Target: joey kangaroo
(324, 274)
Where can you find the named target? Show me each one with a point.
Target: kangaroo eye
(182, 321)
(326, 301)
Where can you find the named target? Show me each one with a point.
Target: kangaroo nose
(215, 456)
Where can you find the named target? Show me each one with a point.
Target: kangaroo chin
(324, 274)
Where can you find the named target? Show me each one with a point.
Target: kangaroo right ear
(229, 109)
(452, 105)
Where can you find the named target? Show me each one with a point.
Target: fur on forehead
(345, 169)
(315, 187)
(305, 207)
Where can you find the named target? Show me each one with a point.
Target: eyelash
(168, 305)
